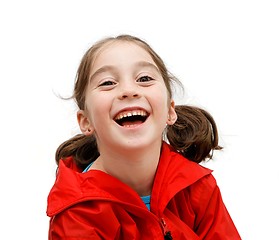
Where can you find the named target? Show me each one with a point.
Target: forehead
(121, 52)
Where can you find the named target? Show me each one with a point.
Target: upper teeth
(131, 113)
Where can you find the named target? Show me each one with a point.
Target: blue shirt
(146, 200)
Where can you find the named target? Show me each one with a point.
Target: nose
(129, 95)
(129, 91)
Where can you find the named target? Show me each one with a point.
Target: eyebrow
(147, 64)
(111, 68)
(106, 68)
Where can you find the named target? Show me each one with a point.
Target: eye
(145, 79)
(106, 83)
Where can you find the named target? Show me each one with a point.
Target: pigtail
(82, 148)
(194, 134)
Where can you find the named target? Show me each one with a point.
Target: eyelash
(107, 83)
(145, 77)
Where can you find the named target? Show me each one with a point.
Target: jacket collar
(174, 173)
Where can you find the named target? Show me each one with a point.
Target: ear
(172, 116)
(84, 123)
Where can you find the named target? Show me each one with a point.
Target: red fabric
(185, 200)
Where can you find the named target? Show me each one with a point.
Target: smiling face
(127, 105)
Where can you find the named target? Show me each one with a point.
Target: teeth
(131, 113)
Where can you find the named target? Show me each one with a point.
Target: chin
(138, 144)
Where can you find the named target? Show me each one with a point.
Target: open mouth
(131, 118)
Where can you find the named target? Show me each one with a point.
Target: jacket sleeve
(213, 219)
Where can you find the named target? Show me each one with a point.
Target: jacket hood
(174, 173)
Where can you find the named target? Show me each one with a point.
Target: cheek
(92, 111)
(98, 108)
(161, 104)
(161, 96)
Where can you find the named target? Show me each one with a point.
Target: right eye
(106, 83)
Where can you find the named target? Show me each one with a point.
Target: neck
(136, 168)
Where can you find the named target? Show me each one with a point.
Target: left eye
(145, 79)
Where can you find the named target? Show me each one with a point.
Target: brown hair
(194, 135)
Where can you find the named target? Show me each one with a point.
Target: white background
(225, 52)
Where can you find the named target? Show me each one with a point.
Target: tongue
(131, 123)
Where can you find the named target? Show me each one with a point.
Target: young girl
(133, 173)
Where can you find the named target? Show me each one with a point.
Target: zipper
(166, 231)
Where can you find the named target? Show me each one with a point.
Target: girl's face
(127, 105)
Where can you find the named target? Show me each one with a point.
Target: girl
(133, 173)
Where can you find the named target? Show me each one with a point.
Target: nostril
(129, 95)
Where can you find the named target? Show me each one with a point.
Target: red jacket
(185, 203)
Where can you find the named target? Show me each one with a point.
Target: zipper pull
(167, 233)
